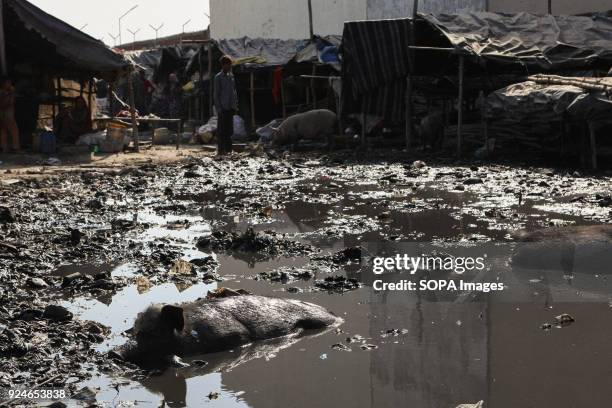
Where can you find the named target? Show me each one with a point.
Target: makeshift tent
(546, 104)
(544, 99)
(257, 53)
(50, 63)
(270, 74)
(39, 39)
(537, 42)
(376, 54)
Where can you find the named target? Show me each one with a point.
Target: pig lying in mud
(213, 325)
(585, 249)
(314, 125)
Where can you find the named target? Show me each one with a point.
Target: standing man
(226, 104)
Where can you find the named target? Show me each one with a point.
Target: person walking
(226, 104)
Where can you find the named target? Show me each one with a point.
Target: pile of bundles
(536, 109)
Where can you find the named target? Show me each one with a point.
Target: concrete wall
(283, 19)
(380, 9)
(558, 6)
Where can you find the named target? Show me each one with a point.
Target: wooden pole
(283, 102)
(201, 98)
(312, 87)
(460, 105)
(409, 124)
(111, 99)
(59, 93)
(211, 81)
(310, 20)
(135, 137)
(253, 125)
(3, 62)
(549, 6)
(363, 125)
(593, 146)
(409, 82)
(90, 97)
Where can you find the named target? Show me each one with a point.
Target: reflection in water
(444, 353)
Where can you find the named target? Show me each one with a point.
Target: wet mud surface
(82, 253)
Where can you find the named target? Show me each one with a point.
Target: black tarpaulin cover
(548, 42)
(85, 52)
(260, 52)
(545, 99)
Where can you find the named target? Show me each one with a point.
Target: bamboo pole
(283, 102)
(460, 105)
(363, 125)
(485, 122)
(409, 124)
(591, 84)
(253, 125)
(423, 48)
(135, 137)
(593, 145)
(59, 94)
(3, 62)
(201, 97)
(211, 81)
(409, 82)
(312, 87)
(90, 97)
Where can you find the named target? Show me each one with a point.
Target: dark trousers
(225, 130)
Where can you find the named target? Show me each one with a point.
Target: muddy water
(444, 353)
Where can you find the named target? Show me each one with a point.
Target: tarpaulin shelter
(383, 60)
(34, 37)
(548, 101)
(49, 61)
(268, 67)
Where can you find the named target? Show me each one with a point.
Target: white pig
(312, 125)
